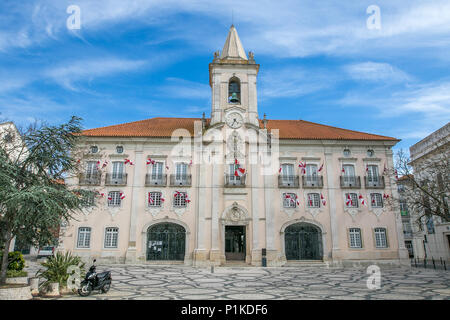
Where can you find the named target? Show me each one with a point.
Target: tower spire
(233, 49)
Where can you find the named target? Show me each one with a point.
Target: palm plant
(56, 269)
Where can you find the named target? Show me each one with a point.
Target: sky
(340, 63)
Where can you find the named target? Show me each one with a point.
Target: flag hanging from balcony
(296, 200)
(321, 167)
(343, 170)
(324, 202)
(396, 174)
(98, 164)
(128, 161)
(385, 196)
(303, 167)
(150, 161)
(105, 164)
(367, 168)
(349, 200)
(361, 199)
(385, 169)
(279, 170)
(122, 196)
(238, 171)
(167, 167)
(150, 199)
(190, 163)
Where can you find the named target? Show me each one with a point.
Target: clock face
(234, 120)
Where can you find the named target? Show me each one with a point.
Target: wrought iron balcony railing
(312, 181)
(181, 180)
(233, 181)
(285, 181)
(92, 179)
(350, 182)
(374, 182)
(155, 179)
(116, 179)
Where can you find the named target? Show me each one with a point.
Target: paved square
(180, 282)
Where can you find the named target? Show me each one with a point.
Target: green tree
(34, 200)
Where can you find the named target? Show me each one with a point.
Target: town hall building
(236, 187)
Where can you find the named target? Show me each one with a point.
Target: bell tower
(232, 77)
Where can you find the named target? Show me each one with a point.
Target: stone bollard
(34, 284)
(53, 290)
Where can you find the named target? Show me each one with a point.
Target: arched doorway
(166, 241)
(303, 241)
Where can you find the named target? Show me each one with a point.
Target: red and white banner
(361, 199)
(238, 171)
(324, 202)
(321, 168)
(150, 161)
(128, 161)
(303, 167)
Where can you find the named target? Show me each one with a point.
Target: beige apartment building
(236, 188)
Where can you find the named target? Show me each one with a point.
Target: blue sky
(133, 60)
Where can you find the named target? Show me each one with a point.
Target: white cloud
(375, 71)
(181, 88)
(70, 73)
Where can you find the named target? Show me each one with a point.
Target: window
(114, 199)
(234, 90)
(89, 200)
(233, 179)
(400, 188)
(403, 207)
(430, 225)
(370, 153)
(380, 238)
(287, 172)
(376, 200)
(91, 169)
(349, 174)
(84, 237)
(289, 200)
(372, 174)
(154, 199)
(111, 237)
(311, 173)
(157, 170)
(94, 149)
(351, 200)
(181, 172)
(117, 172)
(313, 200)
(119, 149)
(355, 238)
(180, 200)
(346, 152)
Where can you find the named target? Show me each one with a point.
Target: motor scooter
(95, 281)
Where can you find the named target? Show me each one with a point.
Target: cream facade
(306, 192)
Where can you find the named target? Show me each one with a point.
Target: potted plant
(16, 285)
(56, 275)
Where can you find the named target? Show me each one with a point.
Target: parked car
(46, 251)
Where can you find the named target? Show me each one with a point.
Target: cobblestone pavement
(181, 282)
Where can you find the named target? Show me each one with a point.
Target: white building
(170, 189)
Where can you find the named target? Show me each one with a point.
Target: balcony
(155, 179)
(376, 182)
(116, 179)
(312, 181)
(285, 181)
(350, 182)
(231, 181)
(90, 179)
(181, 180)
(407, 234)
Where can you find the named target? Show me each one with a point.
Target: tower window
(234, 90)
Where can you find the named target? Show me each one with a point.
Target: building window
(154, 199)
(351, 200)
(355, 238)
(376, 200)
(311, 174)
(313, 200)
(348, 175)
(403, 207)
(234, 90)
(380, 238)
(157, 170)
(181, 172)
(111, 237)
(91, 168)
(119, 149)
(289, 200)
(287, 172)
(179, 200)
(117, 168)
(94, 149)
(372, 174)
(114, 199)
(84, 237)
(89, 200)
(370, 153)
(347, 152)
(430, 225)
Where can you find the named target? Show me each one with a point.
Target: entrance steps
(306, 263)
(236, 264)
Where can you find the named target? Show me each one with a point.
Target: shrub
(16, 261)
(15, 274)
(56, 269)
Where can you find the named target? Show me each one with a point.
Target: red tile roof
(288, 129)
